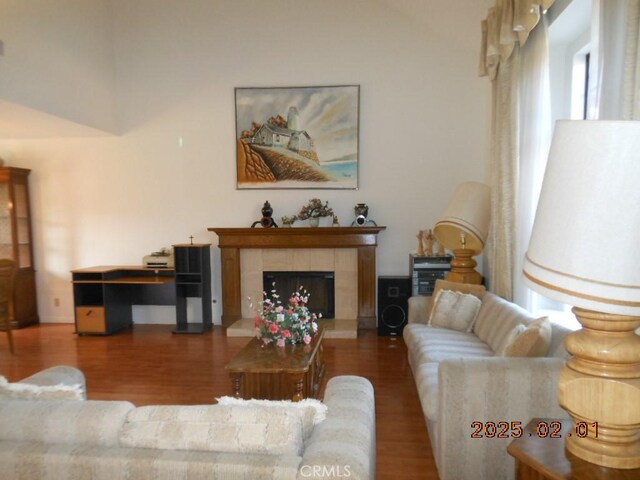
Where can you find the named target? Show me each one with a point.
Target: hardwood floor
(148, 365)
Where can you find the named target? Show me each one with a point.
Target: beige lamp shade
(585, 245)
(468, 213)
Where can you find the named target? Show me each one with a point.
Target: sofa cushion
(533, 341)
(454, 310)
(427, 385)
(497, 318)
(30, 460)
(433, 344)
(216, 428)
(477, 290)
(27, 391)
(60, 421)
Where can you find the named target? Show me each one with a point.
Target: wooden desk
(292, 372)
(104, 295)
(545, 458)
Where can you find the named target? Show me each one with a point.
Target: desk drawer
(90, 320)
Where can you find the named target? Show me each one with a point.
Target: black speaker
(393, 304)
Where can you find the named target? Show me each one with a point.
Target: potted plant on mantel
(313, 210)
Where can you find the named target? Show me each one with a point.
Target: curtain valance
(510, 21)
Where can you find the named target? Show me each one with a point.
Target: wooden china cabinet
(16, 242)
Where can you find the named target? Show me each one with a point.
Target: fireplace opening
(319, 285)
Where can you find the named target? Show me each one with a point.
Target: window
(580, 84)
(569, 56)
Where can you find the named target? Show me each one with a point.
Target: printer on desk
(163, 258)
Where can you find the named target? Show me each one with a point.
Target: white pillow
(533, 341)
(28, 391)
(311, 411)
(454, 310)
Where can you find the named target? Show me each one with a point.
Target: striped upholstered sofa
(83, 439)
(463, 384)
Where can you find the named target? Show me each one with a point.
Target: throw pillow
(311, 411)
(477, 290)
(27, 391)
(534, 341)
(215, 428)
(511, 336)
(454, 310)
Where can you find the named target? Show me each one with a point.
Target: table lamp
(584, 251)
(463, 229)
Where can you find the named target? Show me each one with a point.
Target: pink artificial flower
(273, 328)
(279, 308)
(256, 320)
(306, 339)
(290, 311)
(280, 342)
(286, 334)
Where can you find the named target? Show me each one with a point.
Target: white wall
(58, 59)
(423, 127)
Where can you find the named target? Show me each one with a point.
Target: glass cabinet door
(6, 231)
(23, 235)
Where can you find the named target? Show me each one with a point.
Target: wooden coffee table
(292, 372)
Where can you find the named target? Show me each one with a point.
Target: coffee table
(292, 372)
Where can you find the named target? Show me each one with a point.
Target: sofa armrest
(61, 375)
(419, 309)
(344, 444)
(493, 389)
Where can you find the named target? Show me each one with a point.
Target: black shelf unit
(425, 271)
(193, 279)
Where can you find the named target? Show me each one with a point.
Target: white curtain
(534, 133)
(514, 55)
(500, 248)
(614, 92)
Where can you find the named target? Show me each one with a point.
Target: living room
(124, 113)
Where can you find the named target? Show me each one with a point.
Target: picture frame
(297, 137)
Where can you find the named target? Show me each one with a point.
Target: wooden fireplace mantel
(232, 240)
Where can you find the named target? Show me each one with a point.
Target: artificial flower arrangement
(280, 324)
(286, 220)
(315, 209)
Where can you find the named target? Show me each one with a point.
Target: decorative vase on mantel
(314, 221)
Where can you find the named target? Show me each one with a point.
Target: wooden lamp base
(600, 387)
(463, 267)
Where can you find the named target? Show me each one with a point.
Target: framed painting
(297, 137)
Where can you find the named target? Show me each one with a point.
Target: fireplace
(350, 252)
(320, 285)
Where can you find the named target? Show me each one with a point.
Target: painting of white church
(297, 137)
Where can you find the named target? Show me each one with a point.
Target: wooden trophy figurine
(429, 243)
(419, 236)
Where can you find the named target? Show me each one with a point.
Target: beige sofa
(111, 440)
(462, 381)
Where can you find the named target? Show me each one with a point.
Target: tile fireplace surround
(347, 251)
